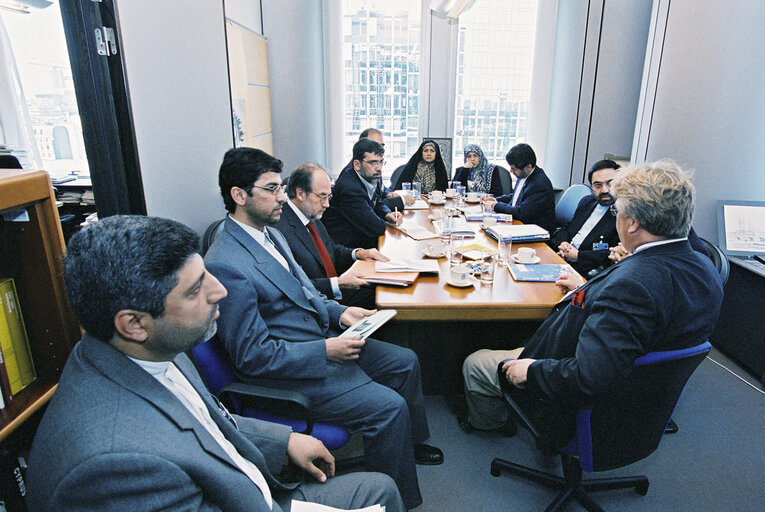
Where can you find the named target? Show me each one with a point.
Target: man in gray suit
(131, 425)
(276, 325)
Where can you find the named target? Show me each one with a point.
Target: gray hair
(659, 195)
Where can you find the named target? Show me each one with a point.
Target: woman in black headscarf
(485, 176)
(427, 167)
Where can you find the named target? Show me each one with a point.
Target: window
(50, 116)
(496, 40)
(385, 38)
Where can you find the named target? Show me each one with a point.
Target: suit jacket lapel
(271, 269)
(301, 234)
(116, 367)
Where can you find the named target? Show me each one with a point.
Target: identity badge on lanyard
(600, 245)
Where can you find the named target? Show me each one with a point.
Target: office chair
(260, 401)
(505, 180)
(210, 233)
(566, 207)
(719, 259)
(396, 174)
(620, 427)
(9, 162)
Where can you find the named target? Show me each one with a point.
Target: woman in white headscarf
(478, 170)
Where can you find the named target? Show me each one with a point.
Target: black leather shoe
(427, 455)
(671, 428)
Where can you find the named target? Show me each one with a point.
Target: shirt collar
(658, 242)
(305, 220)
(370, 187)
(258, 235)
(154, 368)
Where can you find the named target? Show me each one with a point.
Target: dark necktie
(329, 267)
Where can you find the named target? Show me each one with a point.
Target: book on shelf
(13, 488)
(518, 233)
(13, 339)
(367, 272)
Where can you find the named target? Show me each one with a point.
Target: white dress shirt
(590, 223)
(171, 377)
(519, 186)
(265, 241)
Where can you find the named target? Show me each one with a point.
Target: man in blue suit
(358, 212)
(533, 199)
(131, 426)
(586, 240)
(665, 296)
(326, 263)
(276, 325)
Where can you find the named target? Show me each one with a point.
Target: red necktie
(329, 267)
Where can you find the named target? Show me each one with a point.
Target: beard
(606, 199)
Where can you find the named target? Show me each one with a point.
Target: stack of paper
(419, 204)
(459, 226)
(407, 266)
(414, 231)
(366, 271)
(518, 233)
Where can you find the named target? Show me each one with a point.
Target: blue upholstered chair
(259, 401)
(566, 206)
(617, 429)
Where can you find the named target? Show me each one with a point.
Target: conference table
(442, 323)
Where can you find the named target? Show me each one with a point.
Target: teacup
(460, 274)
(489, 222)
(472, 197)
(525, 254)
(436, 214)
(451, 192)
(437, 196)
(435, 248)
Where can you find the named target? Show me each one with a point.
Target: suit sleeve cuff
(333, 281)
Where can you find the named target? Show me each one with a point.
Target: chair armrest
(292, 404)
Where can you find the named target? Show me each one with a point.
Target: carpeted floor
(716, 462)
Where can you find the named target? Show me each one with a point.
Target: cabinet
(30, 253)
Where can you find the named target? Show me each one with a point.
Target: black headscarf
(442, 177)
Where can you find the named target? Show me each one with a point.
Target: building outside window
(496, 41)
(381, 61)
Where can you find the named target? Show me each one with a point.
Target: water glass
(456, 243)
(505, 246)
(461, 190)
(446, 227)
(487, 202)
(416, 189)
(488, 267)
(406, 187)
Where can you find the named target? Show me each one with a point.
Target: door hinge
(106, 43)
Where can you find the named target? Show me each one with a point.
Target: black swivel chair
(719, 259)
(395, 175)
(9, 162)
(619, 428)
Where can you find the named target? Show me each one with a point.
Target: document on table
(303, 506)
(458, 226)
(414, 231)
(419, 204)
(407, 266)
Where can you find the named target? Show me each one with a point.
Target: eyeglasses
(599, 184)
(613, 210)
(274, 188)
(375, 163)
(323, 197)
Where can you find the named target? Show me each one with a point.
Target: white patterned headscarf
(481, 174)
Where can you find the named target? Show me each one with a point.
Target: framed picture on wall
(445, 146)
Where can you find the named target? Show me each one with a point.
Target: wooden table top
(431, 298)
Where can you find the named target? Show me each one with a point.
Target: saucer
(466, 284)
(451, 197)
(487, 226)
(434, 254)
(433, 217)
(471, 201)
(536, 259)
(433, 201)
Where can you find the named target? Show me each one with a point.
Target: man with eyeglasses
(275, 324)
(357, 213)
(585, 241)
(326, 263)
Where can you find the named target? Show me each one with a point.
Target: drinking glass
(460, 194)
(488, 267)
(505, 246)
(471, 186)
(487, 202)
(446, 227)
(406, 187)
(456, 242)
(416, 189)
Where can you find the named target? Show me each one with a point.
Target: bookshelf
(30, 253)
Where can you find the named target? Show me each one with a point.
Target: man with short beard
(585, 241)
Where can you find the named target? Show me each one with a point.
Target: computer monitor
(741, 227)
